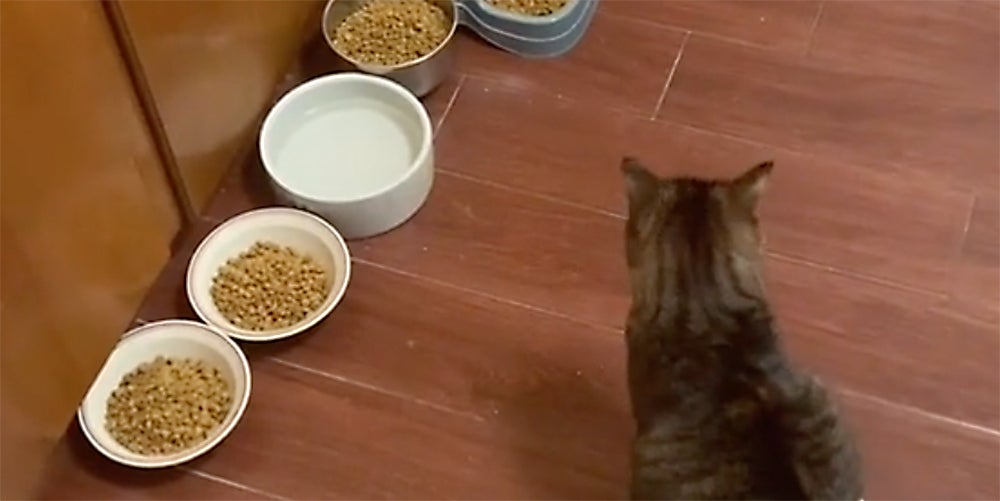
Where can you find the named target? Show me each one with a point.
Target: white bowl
(300, 230)
(356, 149)
(168, 338)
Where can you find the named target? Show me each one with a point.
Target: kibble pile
(530, 7)
(392, 32)
(167, 405)
(268, 287)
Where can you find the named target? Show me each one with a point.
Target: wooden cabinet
(91, 126)
(212, 68)
(86, 213)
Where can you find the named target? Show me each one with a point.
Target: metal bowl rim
(385, 69)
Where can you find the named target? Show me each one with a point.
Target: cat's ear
(747, 188)
(641, 186)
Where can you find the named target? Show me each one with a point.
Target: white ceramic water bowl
(300, 230)
(167, 338)
(354, 148)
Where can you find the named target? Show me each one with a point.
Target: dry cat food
(530, 7)
(392, 32)
(268, 287)
(167, 405)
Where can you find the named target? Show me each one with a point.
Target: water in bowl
(348, 150)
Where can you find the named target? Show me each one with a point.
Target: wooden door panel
(212, 67)
(86, 219)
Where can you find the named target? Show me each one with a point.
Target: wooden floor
(478, 353)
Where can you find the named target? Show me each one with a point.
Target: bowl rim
(527, 18)
(266, 336)
(426, 129)
(206, 446)
(383, 69)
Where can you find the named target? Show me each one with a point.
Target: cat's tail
(820, 447)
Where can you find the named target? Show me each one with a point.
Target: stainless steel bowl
(420, 76)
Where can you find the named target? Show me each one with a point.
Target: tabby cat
(720, 412)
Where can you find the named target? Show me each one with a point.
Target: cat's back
(710, 444)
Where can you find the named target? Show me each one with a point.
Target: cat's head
(689, 237)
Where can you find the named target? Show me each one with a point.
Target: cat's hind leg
(820, 447)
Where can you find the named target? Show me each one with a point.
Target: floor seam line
(670, 76)
(231, 483)
(810, 41)
(928, 415)
(630, 113)
(789, 258)
(717, 37)
(967, 226)
(620, 331)
(620, 217)
(451, 103)
(608, 328)
(534, 194)
(896, 167)
(374, 388)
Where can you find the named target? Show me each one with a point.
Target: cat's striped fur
(720, 412)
